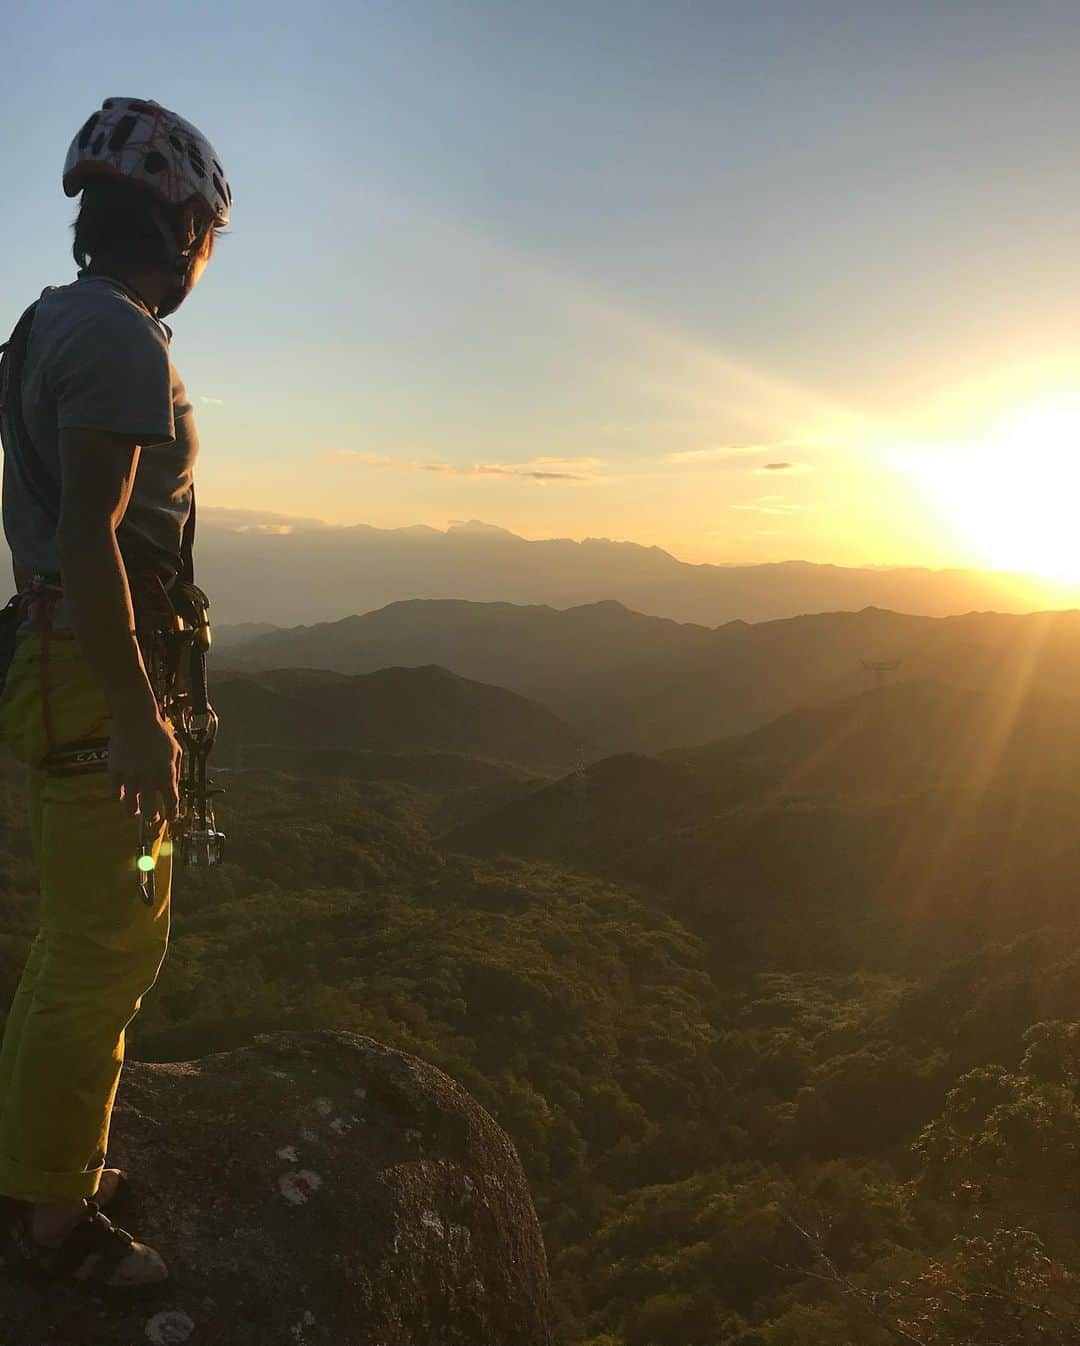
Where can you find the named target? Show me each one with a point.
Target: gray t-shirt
(97, 359)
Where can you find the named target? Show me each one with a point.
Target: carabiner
(145, 864)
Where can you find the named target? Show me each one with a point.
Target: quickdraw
(175, 654)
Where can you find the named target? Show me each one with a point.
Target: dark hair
(115, 225)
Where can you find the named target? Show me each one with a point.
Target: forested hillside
(299, 714)
(784, 1027)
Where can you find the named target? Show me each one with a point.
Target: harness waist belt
(76, 759)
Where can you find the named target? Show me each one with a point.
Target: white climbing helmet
(140, 141)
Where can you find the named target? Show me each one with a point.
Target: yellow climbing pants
(99, 946)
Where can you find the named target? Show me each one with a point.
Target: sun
(1012, 499)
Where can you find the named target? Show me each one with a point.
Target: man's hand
(144, 766)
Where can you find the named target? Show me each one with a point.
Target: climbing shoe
(96, 1253)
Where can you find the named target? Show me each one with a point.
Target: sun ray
(932, 841)
(688, 373)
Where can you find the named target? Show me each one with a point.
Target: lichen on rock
(410, 1224)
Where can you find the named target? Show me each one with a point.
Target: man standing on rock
(99, 446)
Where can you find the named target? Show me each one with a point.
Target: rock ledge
(313, 1189)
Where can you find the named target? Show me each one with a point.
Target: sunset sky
(746, 281)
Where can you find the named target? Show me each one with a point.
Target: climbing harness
(173, 630)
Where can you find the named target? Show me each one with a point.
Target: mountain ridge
(420, 710)
(633, 682)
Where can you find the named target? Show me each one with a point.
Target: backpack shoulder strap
(187, 544)
(19, 451)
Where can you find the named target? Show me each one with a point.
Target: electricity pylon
(880, 669)
(579, 778)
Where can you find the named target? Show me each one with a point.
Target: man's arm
(98, 472)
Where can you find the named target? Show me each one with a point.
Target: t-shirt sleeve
(113, 373)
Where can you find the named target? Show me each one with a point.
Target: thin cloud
(789, 469)
(535, 469)
(743, 457)
(726, 455)
(211, 401)
(373, 459)
(566, 462)
(773, 504)
(500, 470)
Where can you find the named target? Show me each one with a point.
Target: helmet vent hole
(155, 162)
(119, 137)
(198, 163)
(219, 188)
(140, 105)
(176, 143)
(88, 130)
(99, 143)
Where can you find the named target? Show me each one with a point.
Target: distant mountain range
(273, 569)
(262, 569)
(638, 683)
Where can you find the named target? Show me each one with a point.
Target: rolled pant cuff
(28, 1184)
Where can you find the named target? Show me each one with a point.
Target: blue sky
(591, 268)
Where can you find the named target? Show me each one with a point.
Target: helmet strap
(183, 258)
(180, 256)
